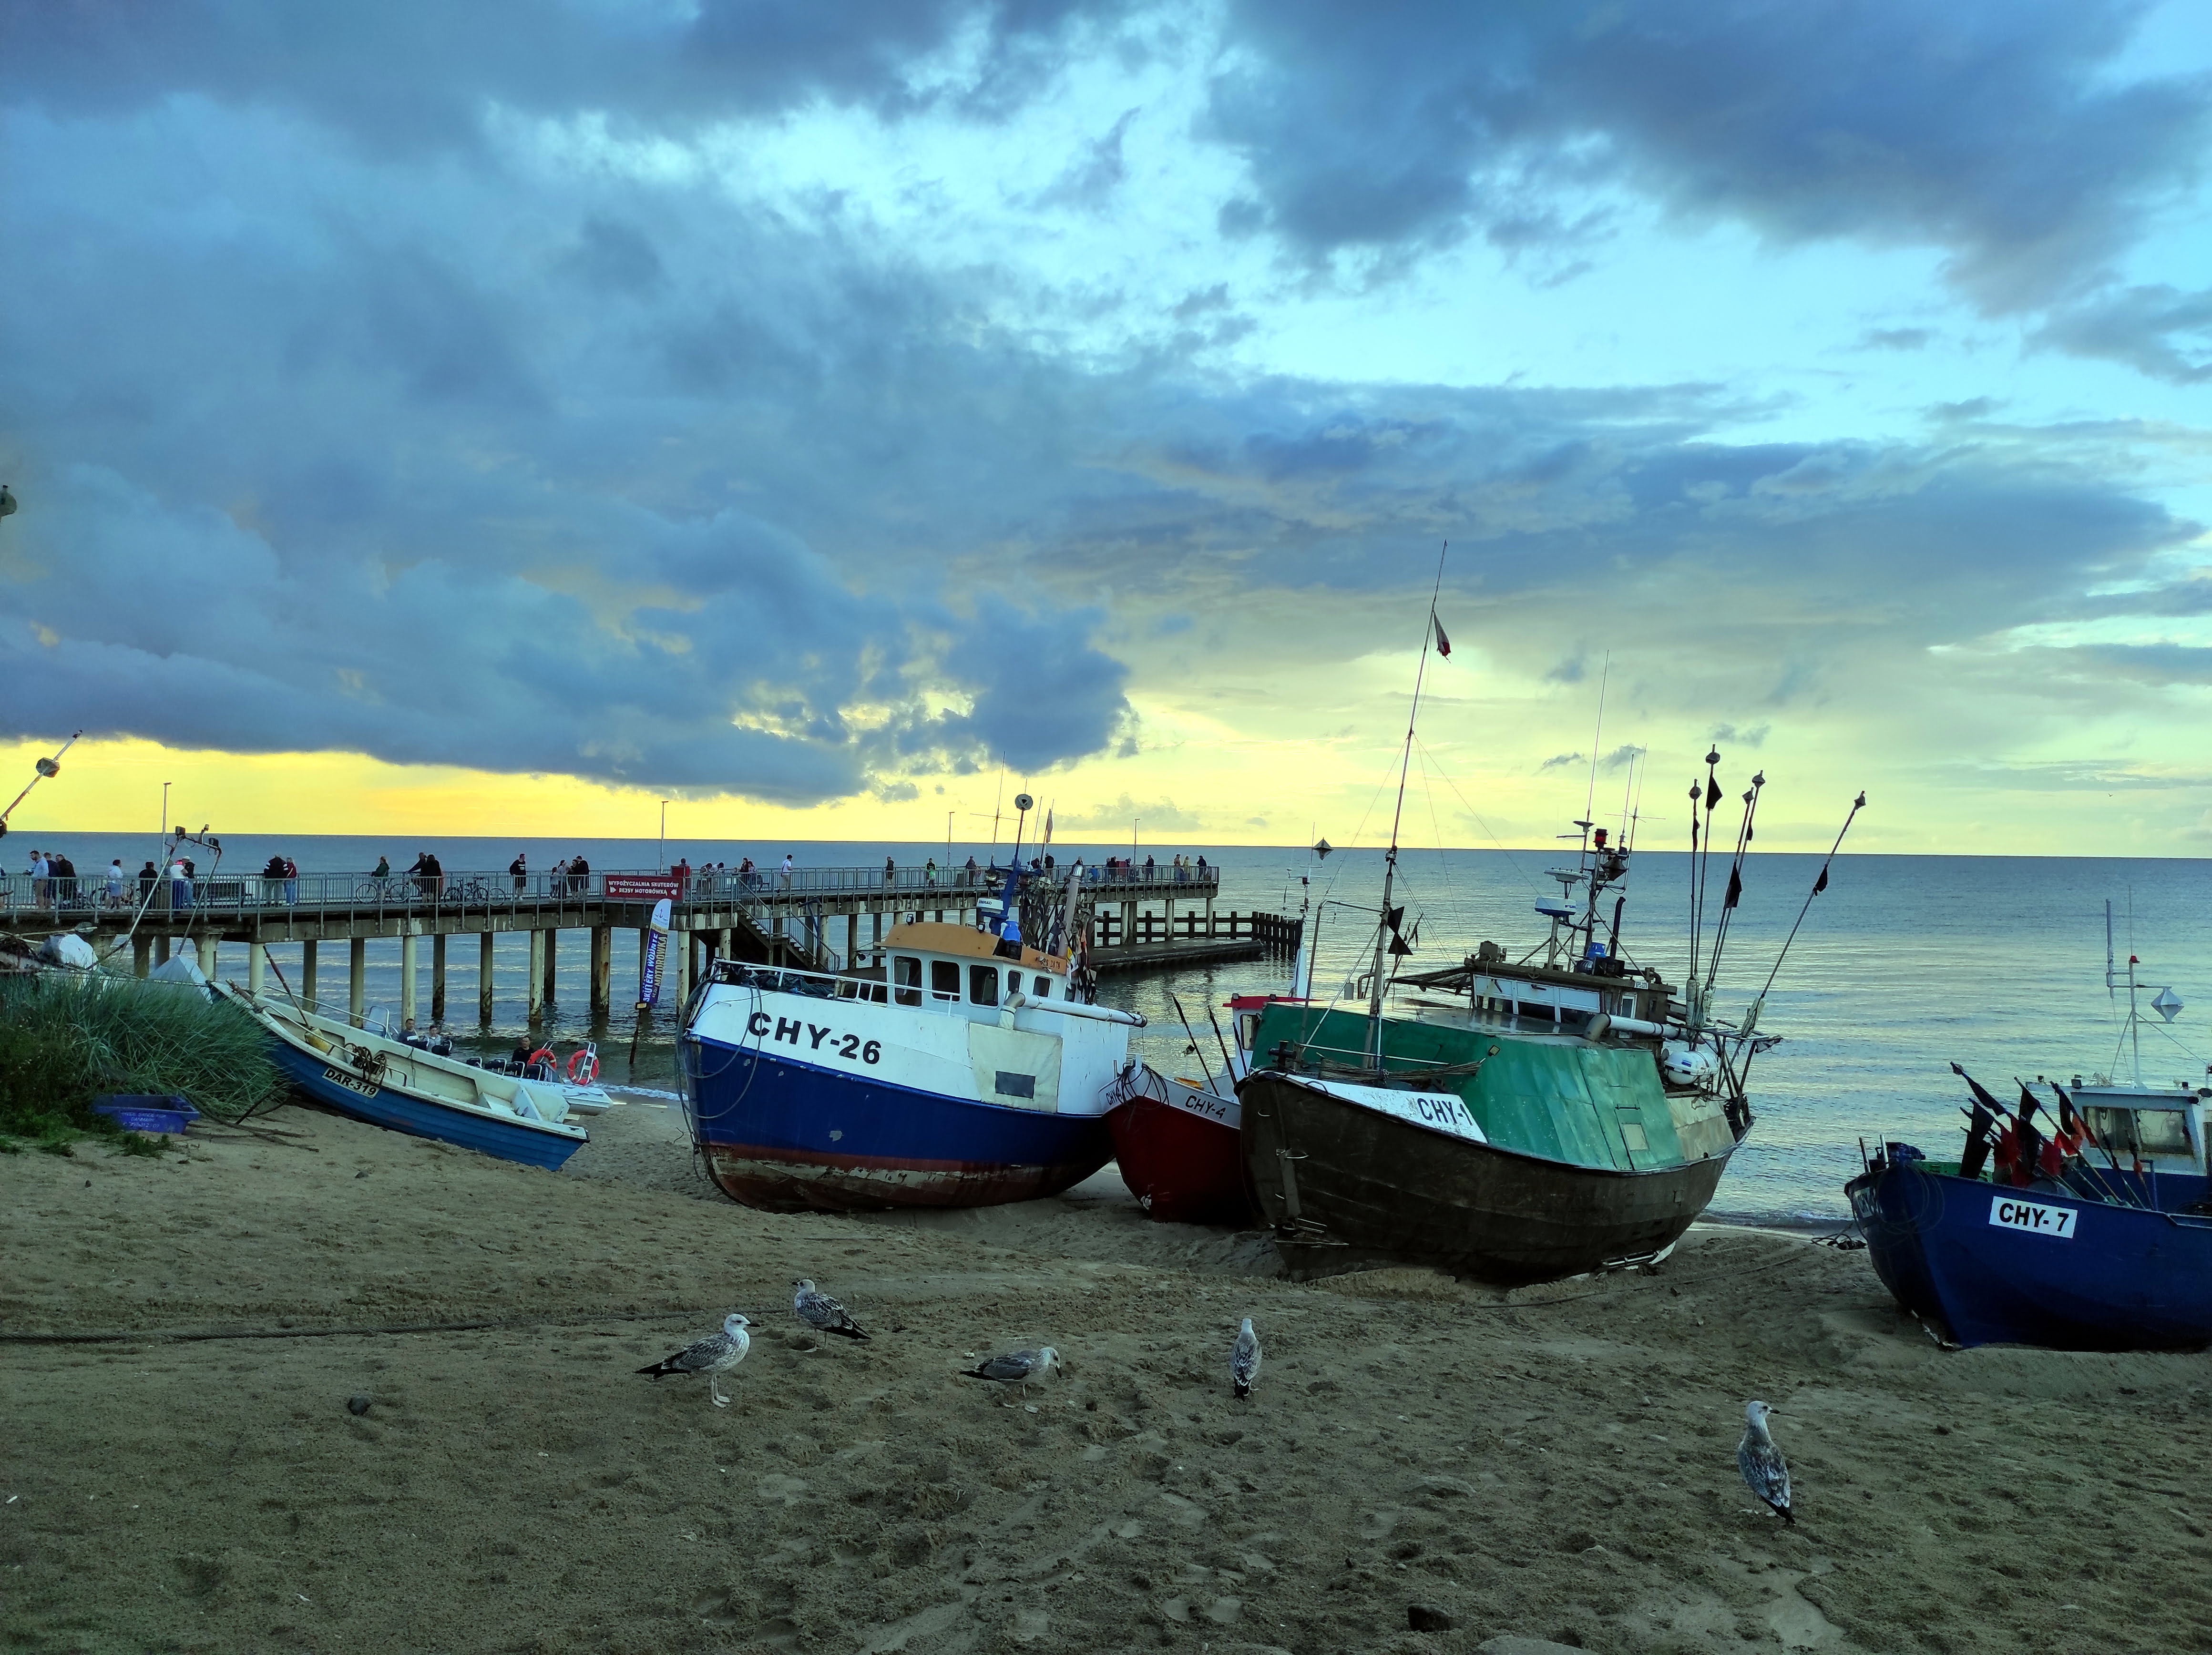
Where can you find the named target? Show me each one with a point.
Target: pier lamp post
(664, 835)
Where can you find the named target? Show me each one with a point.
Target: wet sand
(1557, 1464)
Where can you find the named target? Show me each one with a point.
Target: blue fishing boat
(967, 1070)
(388, 1081)
(2085, 1226)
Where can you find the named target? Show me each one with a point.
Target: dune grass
(65, 1039)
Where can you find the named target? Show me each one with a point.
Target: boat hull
(1182, 1166)
(516, 1140)
(1345, 1187)
(786, 1136)
(2107, 1277)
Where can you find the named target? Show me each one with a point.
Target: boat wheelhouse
(966, 1070)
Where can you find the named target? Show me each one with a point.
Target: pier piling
(358, 977)
(539, 953)
(308, 971)
(550, 996)
(603, 969)
(257, 960)
(408, 967)
(141, 955)
(207, 957)
(484, 978)
(438, 978)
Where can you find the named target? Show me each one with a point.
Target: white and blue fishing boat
(389, 1082)
(2080, 1224)
(967, 1069)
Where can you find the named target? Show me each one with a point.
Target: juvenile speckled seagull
(1765, 1472)
(1244, 1360)
(1017, 1368)
(820, 1312)
(716, 1354)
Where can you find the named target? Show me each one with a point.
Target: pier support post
(308, 971)
(357, 979)
(681, 947)
(407, 970)
(256, 964)
(438, 978)
(538, 965)
(549, 997)
(141, 955)
(207, 958)
(484, 978)
(160, 950)
(1209, 918)
(603, 969)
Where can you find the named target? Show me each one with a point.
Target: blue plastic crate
(146, 1113)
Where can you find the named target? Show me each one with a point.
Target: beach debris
(1765, 1471)
(1244, 1360)
(821, 1313)
(1017, 1368)
(716, 1354)
(358, 1404)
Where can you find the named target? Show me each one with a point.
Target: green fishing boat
(1516, 1119)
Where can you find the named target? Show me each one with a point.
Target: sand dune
(1555, 1464)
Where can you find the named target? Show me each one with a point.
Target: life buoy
(583, 1066)
(547, 1056)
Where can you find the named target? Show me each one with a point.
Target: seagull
(1244, 1360)
(1764, 1471)
(1017, 1368)
(716, 1354)
(821, 1313)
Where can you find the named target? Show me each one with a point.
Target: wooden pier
(1138, 919)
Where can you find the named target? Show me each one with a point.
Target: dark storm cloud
(1989, 129)
(411, 75)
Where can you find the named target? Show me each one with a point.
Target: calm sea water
(1904, 965)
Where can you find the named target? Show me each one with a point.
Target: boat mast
(1383, 929)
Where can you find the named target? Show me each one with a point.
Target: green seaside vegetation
(66, 1039)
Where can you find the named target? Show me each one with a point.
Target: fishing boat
(2083, 1226)
(967, 1070)
(378, 1077)
(1516, 1119)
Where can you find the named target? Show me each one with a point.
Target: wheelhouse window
(983, 985)
(906, 979)
(1044, 988)
(943, 980)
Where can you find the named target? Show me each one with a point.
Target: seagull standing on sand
(1017, 1368)
(821, 1312)
(1765, 1472)
(716, 1354)
(1244, 1360)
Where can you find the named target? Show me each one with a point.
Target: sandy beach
(1555, 1464)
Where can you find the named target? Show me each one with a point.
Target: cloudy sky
(499, 418)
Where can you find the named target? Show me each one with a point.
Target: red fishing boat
(1178, 1147)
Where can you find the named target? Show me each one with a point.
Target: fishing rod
(1751, 1017)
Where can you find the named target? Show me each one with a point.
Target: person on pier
(521, 869)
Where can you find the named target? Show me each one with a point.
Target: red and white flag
(1444, 644)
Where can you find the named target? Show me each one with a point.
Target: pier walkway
(1138, 919)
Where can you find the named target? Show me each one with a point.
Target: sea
(1904, 965)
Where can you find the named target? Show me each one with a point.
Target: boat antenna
(1751, 1017)
(1597, 740)
(1430, 630)
(45, 768)
(2111, 997)
(1735, 893)
(1701, 849)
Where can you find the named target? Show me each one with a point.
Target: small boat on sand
(1177, 1147)
(387, 1081)
(2083, 1226)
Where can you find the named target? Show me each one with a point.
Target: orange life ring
(583, 1067)
(546, 1055)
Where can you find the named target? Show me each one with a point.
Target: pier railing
(26, 901)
